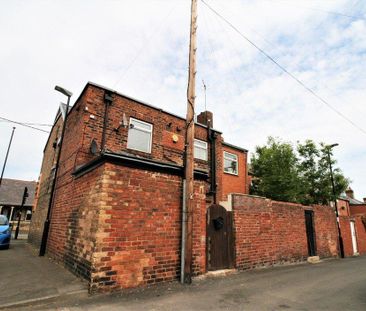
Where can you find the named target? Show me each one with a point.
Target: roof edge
(234, 147)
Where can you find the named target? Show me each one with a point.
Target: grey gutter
(234, 147)
(134, 161)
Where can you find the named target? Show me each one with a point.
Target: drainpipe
(184, 220)
(108, 101)
(212, 139)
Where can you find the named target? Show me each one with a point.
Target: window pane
(230, 156)
(200, 150)
(141, 125)
(139, 140)
(230, 163)
(200, 143)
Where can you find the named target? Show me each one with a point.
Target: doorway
(220, 244)
(354, 237)
(310, 234)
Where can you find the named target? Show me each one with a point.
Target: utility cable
(36, 124)
(24, 124)
(143, 47)
(284, 69)
(273, 45)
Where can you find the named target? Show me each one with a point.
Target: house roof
(11, 191)
(350, 200)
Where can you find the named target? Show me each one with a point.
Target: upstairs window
(230, 163)
(139, 136)
(200, 149)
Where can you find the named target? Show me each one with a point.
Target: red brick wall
(42, 198)
(326, 230)
(139, 229)
(74, 222)
(343, 207)
(90, 231)
(347, 238)
(269, 232)
(344, 223)
(358, 209)
(234, 183)
(361, 234)
(164, 127)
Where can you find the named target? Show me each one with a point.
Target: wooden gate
(220, 242)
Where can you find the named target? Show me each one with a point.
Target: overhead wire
(24, 124)
(273, 45)
(284, 69)
(36, 124)
(143, 47)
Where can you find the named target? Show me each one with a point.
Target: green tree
(275, 169)
(283, 174)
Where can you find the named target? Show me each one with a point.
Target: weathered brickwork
(360, 230)
(115, 223)
(42, 196)
(358, 209)
(269, 232)
(357, 214)
(344, 223)
(326, 231)
(139, 229)
(235, 183)
(360, 223)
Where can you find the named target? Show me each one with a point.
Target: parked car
(5, 232)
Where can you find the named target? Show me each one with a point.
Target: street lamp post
(42, 249)
(329, 148)
(6, 157)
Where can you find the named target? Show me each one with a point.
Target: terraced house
(117, 213)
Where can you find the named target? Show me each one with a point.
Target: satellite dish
(124, 121)
(94, 147)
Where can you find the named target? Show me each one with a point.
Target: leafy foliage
(295, 175)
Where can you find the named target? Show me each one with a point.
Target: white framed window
(230, 163)
(139, 135)
(200, 149)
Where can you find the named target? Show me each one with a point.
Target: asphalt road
(329, 285)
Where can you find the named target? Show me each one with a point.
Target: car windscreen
(3, 220)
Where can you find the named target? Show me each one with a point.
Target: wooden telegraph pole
(189, 156)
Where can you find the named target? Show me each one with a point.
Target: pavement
(338, 284)
(26, 278)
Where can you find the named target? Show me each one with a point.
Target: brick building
(116, 217)
(352, 215)
(116, 220)
(43, 189)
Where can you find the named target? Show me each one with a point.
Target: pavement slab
(26, 277)
(336, 285)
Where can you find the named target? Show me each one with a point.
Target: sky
(140, 48)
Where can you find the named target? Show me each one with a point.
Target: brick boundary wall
(346, 234)
(269, 232)
(361, 233)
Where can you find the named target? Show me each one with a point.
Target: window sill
(232, 174)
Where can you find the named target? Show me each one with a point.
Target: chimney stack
(349, 193)
(206, 118)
